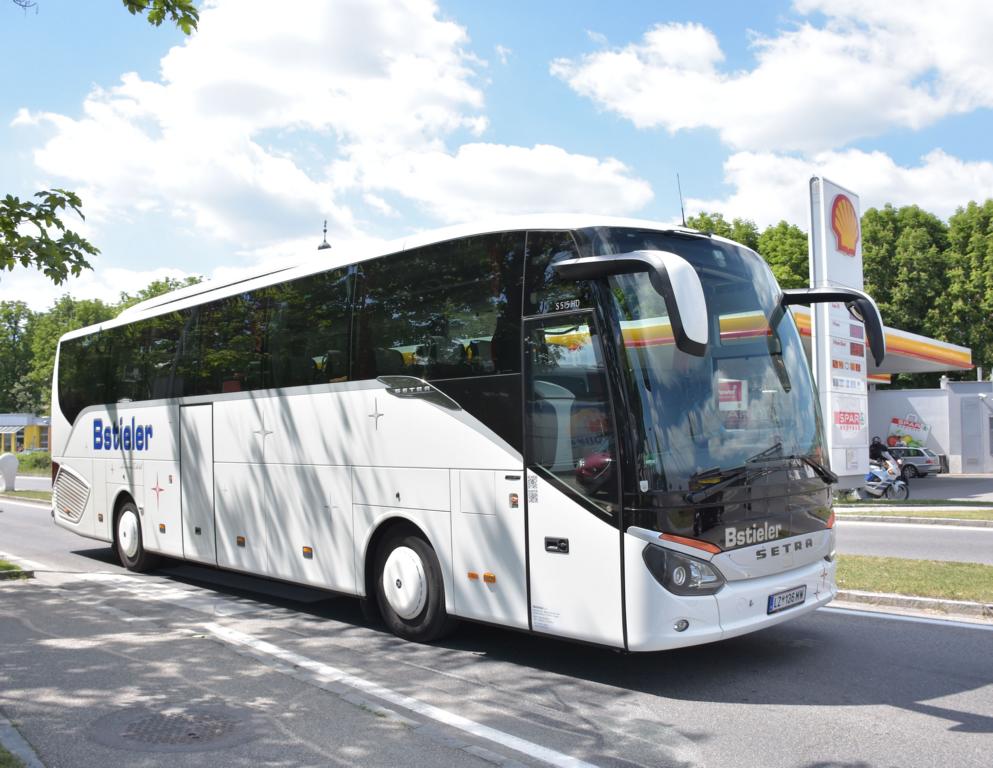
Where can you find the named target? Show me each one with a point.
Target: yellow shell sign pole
(838, 339)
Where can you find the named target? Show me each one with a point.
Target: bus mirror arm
(672, 277)
(859, 304)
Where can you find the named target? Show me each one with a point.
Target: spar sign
(849, 421)
(838, 339)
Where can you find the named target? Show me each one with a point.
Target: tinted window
(143, 356)
(232, 355)
(569, 427)
(83, 374)
(309, 330)
(545, 292)
(441, 312)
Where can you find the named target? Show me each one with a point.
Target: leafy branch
(57, 258)
(182, 12)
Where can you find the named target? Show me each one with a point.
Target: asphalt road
(919, 542)
(833, 688)
(953, 487)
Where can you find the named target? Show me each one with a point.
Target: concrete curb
(16, 744)
(915, 520)
(950, 607)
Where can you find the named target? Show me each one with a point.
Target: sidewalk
(90, 679)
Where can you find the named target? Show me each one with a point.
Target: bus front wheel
(410, 590)
(130, 548)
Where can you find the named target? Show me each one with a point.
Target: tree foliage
(27, 227)
(183, 13)
(26, 235)
(15, 351)
(785, 247)
(155, 288)
(740, 230)
(964, 310)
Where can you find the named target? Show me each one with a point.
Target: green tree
(740, 230)
(905, 264)
(15, 352)
(155, 288)
(963, 312)
(26, 227)
(26, 240)
(785, 247)
(66, 315)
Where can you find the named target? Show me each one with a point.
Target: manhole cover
(192, 728)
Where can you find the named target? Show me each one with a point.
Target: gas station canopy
(905, 352)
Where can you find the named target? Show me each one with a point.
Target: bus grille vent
(70, 496)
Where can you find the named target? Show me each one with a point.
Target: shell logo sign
(844, 224)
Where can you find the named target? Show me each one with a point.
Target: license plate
(780, 601)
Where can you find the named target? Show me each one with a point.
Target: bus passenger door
(196, 437)
(574, 547)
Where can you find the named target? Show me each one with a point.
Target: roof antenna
(681, 211)
(324, 244)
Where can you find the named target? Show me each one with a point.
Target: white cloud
(867, 68)
(770, 187)
(264, 123)
(491, 179)
(503, 53)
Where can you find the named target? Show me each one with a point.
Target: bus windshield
(750, 397)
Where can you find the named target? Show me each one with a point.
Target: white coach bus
(591, 428)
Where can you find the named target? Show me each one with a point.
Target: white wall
(930, 405)
(942, 410)
(967, 393)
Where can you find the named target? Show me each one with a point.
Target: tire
(410, 591)
(909, 471)
(127, 540)
(899, 491)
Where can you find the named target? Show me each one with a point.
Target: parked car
(917, 462)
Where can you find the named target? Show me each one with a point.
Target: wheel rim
(127, 533)
(404, 582)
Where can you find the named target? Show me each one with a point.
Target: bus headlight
(682, 574)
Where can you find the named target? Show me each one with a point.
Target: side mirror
(673, 278)
(860, 304)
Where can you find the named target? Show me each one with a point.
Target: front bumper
(739, 608)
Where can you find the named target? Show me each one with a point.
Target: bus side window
(544, 292)
(445, 311)
(569, 427)
(307, 340)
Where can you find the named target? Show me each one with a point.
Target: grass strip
(917, 578)
(848, 502)
(7, 760)
(35, 471)
(6, 566)
(33, 495)
(956, 514)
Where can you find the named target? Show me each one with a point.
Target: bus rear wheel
(410, 590)
(127, 538)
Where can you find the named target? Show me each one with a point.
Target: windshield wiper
(823, 472)
(771, 454)
(733, 476)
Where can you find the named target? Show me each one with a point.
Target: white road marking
(902, 617)
(332, 674)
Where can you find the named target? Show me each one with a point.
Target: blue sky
(226, 150)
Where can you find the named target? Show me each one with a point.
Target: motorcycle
(885, 480)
